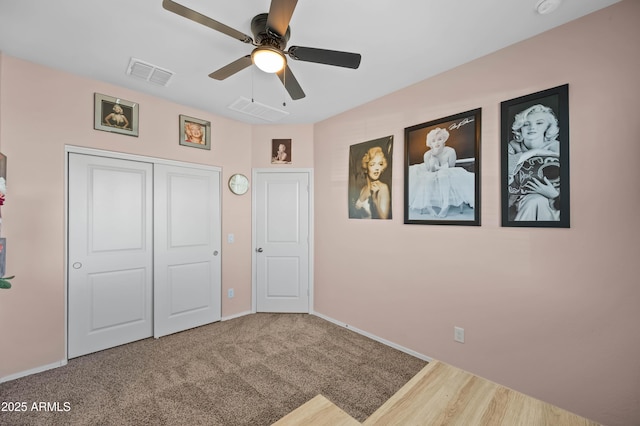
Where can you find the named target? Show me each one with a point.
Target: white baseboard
(376, 338)
(238, 315)
(33, 371)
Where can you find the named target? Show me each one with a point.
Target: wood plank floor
(444, 395)
(441, 394)
(318, 412)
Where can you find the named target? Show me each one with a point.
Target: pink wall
(41, 111)
(44, 109)
(259, 153)
(301, 136)
(550, 312)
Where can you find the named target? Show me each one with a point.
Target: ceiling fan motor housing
(263, 36)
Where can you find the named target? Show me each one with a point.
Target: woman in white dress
(437, 183)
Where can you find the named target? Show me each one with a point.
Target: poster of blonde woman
(115, 115)
(195, 133)
(370, 166)
(442, 171)
(535, 160)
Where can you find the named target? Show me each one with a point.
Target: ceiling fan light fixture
(268, 59)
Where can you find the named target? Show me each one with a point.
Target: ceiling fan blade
(290, 83)
(323, 56)
(280, 13)
(184, 11)
(232, 68)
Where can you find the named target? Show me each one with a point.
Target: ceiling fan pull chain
(284, 79)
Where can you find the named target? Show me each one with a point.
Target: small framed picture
(442, 171)
(115, 115)
(535, 159)
(195, 133)
(280, 151)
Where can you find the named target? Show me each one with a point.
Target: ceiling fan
(271, 33)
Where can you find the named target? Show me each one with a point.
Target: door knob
(215, 253)
(77, 265)
(259, 250)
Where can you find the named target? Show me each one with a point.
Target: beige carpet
(247, 371)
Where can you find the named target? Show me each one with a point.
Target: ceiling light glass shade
(268, 59)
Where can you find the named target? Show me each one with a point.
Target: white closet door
(186, 248)
(110, 253)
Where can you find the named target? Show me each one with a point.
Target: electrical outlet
(458, 334)
(230, 293)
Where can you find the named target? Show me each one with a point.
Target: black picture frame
(447, 193)
(115, 115)
(528, 200)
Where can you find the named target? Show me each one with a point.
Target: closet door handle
(215, 253)
(259, 250)
(77, 265)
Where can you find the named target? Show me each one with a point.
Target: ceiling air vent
(256, 109)
(149, 72)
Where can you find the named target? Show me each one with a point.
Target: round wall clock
(238, 184)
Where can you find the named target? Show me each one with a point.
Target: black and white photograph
(115, 115)
(370, 171)
(535, 159)
(442, 171)
(281, 151)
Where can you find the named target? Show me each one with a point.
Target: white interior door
(282, 241)
(187, 248)
(110, 253)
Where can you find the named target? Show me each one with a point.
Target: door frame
(254, 258)
(68, 149)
